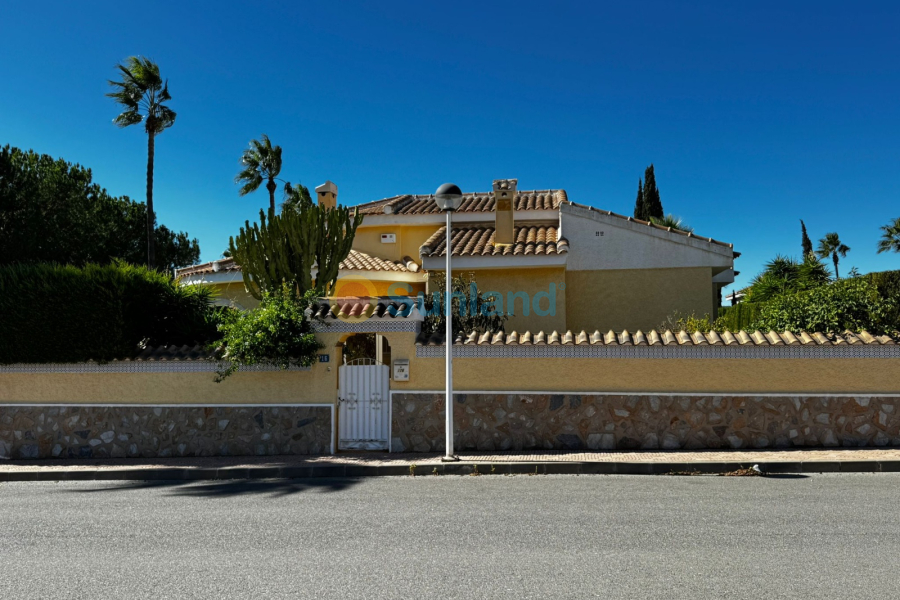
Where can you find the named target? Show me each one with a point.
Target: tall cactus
(289, 246)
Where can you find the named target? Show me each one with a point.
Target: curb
(461, 468)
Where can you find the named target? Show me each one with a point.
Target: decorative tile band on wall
(488, 422)
(372, 325)
(586, 351)
(148, 432)
(127, 366)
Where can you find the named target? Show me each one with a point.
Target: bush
(53, 313)
(888, 284)
(691, 323)
(738, 317)
(852, 304)
(277, 332)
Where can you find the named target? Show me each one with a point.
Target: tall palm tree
(142, 93)
(831, 245)
(890, 239)
(261, 161)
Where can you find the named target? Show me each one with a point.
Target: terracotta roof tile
(165, 353)
(359, 308)
(407, 204)
(215, 266)
(355, 261)
(665, 338)
(478, 240)
(360, 261)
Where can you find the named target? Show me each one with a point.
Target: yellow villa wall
(550, 375)
(745, 376)
(409, 239)
(530, 281)
(636, 298)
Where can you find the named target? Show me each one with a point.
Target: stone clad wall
(606, 422)
(147, 432)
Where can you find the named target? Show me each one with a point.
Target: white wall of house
(598, 241)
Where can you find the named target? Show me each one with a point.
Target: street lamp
(448, 197)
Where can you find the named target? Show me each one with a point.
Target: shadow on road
(231, 488)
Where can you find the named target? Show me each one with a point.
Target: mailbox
(401, 369)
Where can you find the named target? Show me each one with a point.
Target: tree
(286, 248)
(672, 221)
(261, 162)
(470, 309)
(277, 332)
(831, 245)
(640, 209)
(142, 93)
(785, 275)
(296, 197)
(648, 206)
(652, 201)
(890, 238)
(52, 211)
(805, 241)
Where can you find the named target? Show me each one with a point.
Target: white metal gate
(364, 397)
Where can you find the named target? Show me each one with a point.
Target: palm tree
(890, 239)
(672, 221)
(261, 161)
(142, 93)
(831, 245)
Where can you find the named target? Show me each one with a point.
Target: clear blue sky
(755, 114)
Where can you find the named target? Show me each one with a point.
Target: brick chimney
(327, 194)
(504, 205)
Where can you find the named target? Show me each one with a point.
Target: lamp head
(448, 197)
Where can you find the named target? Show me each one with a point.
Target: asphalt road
(455, 537)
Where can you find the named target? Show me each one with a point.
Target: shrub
(54, 313)
(738, 317)
(474, 314)
(277, 332)
(888, 284)
(679, 322)
(852, 304)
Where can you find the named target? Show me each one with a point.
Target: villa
(550, 263)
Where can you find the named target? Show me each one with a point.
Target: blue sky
(755, 114)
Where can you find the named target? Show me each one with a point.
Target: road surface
(823, 536)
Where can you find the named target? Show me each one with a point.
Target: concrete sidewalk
(384, 464)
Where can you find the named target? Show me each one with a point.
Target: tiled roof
(478, 240)
(407, 204)
(355, 261)
(360, 261)
(610, 213)
(359, 307)
(215, 266)
(661, 338)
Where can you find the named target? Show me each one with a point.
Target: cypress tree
(652, 203)
(807, 243)
(639, 206)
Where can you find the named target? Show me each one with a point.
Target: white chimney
(327, 194)
(504, 205)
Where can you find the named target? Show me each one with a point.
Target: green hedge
(888, 285)
(847, 304)
(738, 317)
(53, 313)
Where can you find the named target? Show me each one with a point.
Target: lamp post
(448, 197)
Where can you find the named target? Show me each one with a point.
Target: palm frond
(890, 237)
